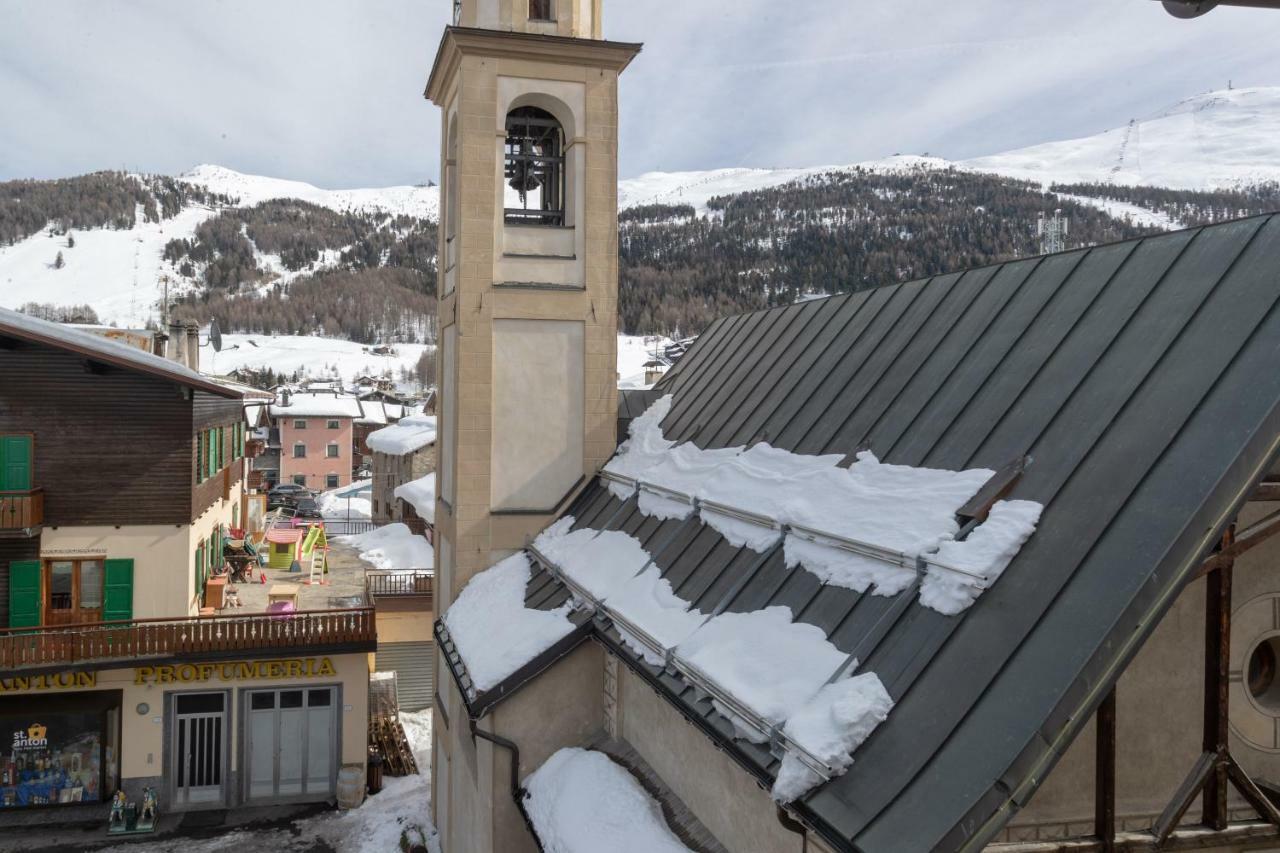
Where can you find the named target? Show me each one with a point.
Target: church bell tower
(527, 284)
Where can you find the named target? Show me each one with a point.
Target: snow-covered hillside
(422, 202)
(1215, 140)
(1219, 139)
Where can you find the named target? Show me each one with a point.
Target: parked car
(287, 495)
(307, 508)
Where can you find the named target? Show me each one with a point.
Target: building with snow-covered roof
(401, 454)
(122, 492)
(316, 437)
(963, 563)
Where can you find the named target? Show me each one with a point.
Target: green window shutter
(199, 564)
(24, 593)
(117, 590)
(15, 463)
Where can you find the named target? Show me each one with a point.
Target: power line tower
(1052, 232)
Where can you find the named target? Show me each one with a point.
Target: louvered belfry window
(540, 10)
(534, 168)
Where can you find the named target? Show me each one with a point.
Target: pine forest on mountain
(287, 266)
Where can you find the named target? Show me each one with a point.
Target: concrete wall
(316, 437)
(724, 797)
(1159, 711)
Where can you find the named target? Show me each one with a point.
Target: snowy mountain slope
(1219, 139)
(422, 202)
(1215, 140)
(696, 188)
(118, 273)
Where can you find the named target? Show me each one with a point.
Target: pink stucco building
(316, 431)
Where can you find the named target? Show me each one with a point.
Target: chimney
(176, 350)
(284, 397)
(193, 346)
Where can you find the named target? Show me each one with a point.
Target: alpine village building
(121, 474)
(1109, 682)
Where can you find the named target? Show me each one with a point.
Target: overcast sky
(330, 91)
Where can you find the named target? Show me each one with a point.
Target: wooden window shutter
(199, 565)
(117, 590)
(24, 593)
(15, 463)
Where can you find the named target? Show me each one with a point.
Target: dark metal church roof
(1143, 381)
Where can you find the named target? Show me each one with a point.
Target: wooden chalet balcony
(400, 584)
(21, 511)
(98, 645)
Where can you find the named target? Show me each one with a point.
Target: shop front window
(52, 753)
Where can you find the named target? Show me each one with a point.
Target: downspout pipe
(517, 792)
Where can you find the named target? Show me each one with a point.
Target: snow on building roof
(60, 336)
(1136, 383)
(492, 629)
(421, 495)
(302, 404)
(409, 434)
(580, 798)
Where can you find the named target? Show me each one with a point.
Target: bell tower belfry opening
(528, 294)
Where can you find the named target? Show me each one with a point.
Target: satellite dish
(215, 336)
(1188, 8)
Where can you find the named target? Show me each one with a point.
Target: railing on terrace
(403, 583)
(21, 510)
(190, 637)
(351, 527)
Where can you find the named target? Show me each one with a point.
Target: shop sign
(186, 673)
(56, 681)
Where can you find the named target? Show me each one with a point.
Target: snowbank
(901, 510)
(580, 801)
(392, 547)
(492, 629)
(412, 433)
(421, 495)
(334, 507)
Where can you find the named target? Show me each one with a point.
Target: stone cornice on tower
(459, 41)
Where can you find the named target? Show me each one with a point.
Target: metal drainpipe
(790, 823)
(517, 792)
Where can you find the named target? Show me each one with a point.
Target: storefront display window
(52, 753)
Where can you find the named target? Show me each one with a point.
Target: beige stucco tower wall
(528, 327)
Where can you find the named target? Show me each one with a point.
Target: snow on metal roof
(97, 348)
(302, 404)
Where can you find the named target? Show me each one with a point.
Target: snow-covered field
(310, 355)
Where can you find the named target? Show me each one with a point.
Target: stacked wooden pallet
(386, 735)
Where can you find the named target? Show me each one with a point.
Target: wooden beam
(1217, 666)
(1249, 538)
(1268, 491)
(1104, 789)
(999, 485)
(1256, 798)
(1183, 797)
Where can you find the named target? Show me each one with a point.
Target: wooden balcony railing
(21, 510)
(409, 582)
(188, 638)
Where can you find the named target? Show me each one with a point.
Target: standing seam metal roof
(1141, 378)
